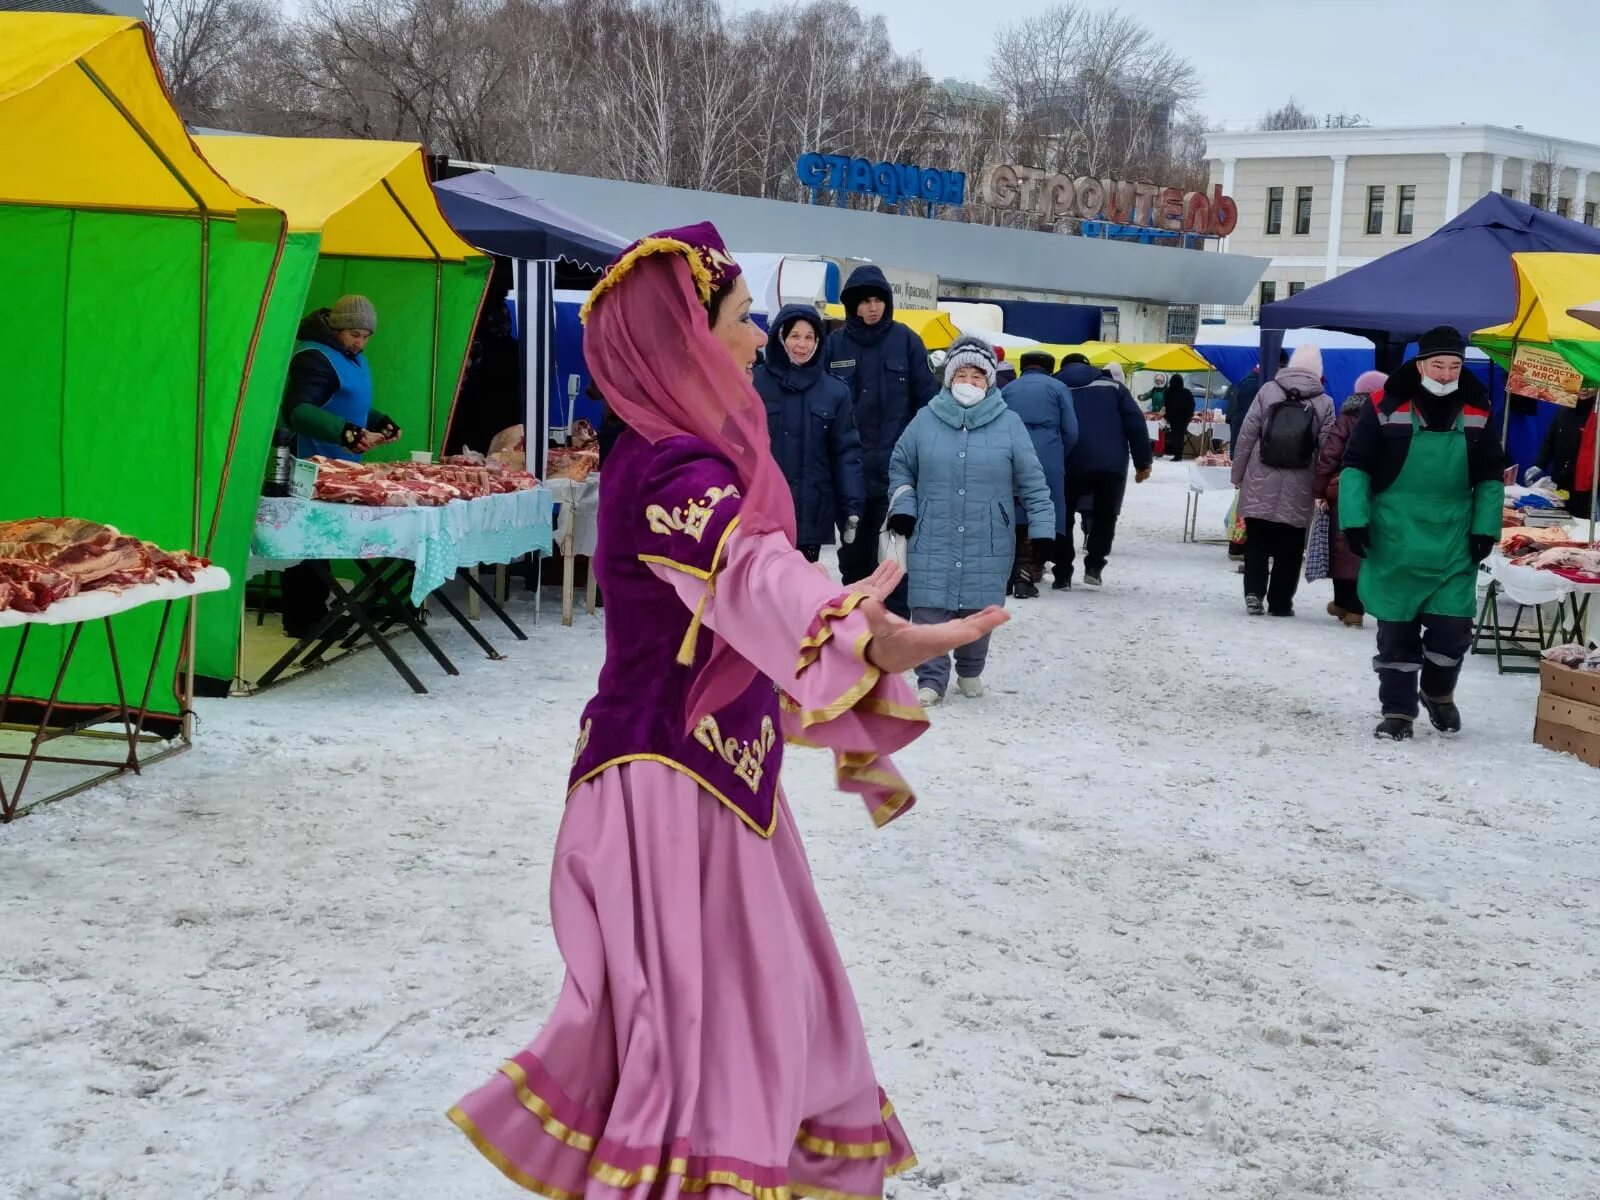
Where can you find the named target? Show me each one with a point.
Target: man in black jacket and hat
(885, 366)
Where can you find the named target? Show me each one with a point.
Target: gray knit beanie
(353, 312)
(970, 351)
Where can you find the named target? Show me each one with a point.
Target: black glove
(904, 524)
(1482, 546)
(1359, 540)
(352, 435)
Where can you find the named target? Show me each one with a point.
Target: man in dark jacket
(1420, 501)
(1558, 455)
(1045, 406)
(1242, 395)
(885, 366)
(491, 387)
(1111, 429)
(813, 428)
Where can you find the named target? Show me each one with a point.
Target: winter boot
(1254, 606)
(1024, 588)
(1281, 612)
(1063, 583)
(929, 698)
(1092, 578)
(1396, 729)
(970, 688)
(1444, 714)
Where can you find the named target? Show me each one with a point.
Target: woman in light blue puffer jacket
(952, 479)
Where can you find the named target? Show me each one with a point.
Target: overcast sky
(1397, 62)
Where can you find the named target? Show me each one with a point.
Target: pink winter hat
(1371, 382)
(1307, 358)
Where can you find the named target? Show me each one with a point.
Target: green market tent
(370, 217)
(137, 318)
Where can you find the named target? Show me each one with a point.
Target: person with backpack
(1275, 471)
(1420, 500)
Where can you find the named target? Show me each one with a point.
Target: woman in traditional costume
(706, 1041)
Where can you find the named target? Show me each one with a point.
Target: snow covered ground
(1167, 923)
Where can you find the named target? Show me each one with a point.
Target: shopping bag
(891, 546)
(1233, 523)
(1317, 553)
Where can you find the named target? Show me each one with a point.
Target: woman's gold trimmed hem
(624, 759)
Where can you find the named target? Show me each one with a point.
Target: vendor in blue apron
(327, 405)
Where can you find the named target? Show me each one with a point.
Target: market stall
(141, 308)
(1203, 478)
(409, 529)
(370, 219)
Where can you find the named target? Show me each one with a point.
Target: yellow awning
(935, 328)
(369, 199)
(1547, 286)
(1162, 356)
(85, 122)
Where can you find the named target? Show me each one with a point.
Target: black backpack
(1289, 439)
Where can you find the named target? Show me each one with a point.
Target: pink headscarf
(649, 346)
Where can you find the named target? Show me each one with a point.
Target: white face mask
(1440, 389)
(967, 394)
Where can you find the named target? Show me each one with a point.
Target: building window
(1302, 210)
(1296, 288)
(1375, 209)
(1269, 291)
(1509, 193)
(1406, 213)
(1588, 212)
(1563, 206)
(1275, 210)
(1537, 199)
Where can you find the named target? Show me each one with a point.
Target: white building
(117, 8)
(1321, 201)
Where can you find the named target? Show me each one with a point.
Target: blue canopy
(1461, 276)
(497, 218)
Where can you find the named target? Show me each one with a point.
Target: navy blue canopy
(1461, 276)
(497, 218)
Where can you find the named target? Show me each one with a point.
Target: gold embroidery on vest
(693, 517)
(746, 758)
(583, 739)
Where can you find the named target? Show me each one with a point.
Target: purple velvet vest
(672, 504)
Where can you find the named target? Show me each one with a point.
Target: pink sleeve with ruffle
(805, 633)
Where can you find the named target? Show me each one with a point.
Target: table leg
(472, 597)
(502, 586)
(402, 610)
(567, 544)
(538, 585)
(494, 607)
(472, 629)
(44, 724)
(122, 698)
(591, 589)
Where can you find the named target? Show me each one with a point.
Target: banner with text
(1544, 375)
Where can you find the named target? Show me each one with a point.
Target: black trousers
(812, 553)
(1428, 651)
(1347, 596)
(859, 558)
(1106, 490)
(1273, 556)
(305, 599)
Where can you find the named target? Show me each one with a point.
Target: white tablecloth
(1210, 479)
(580, 513)
(1529, 585)
(92, 606)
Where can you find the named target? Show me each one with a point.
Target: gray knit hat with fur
(970, 351)
(353, 312)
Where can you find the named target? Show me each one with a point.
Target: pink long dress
(706, 1041)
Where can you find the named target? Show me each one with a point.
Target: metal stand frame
(132, 719)
(1516, 651)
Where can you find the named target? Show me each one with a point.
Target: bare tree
(204, 45)
(1091, 91)
(1289, 116)
(1547, 176)
(1344, 120)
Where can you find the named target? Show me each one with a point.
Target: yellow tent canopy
(1548, 285)
(368, 199)
(1162, 356)
(936, 329)
(127, 149)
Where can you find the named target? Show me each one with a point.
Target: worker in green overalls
(1420, 500)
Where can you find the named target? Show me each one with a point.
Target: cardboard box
(303, 479)
(1569, 712)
